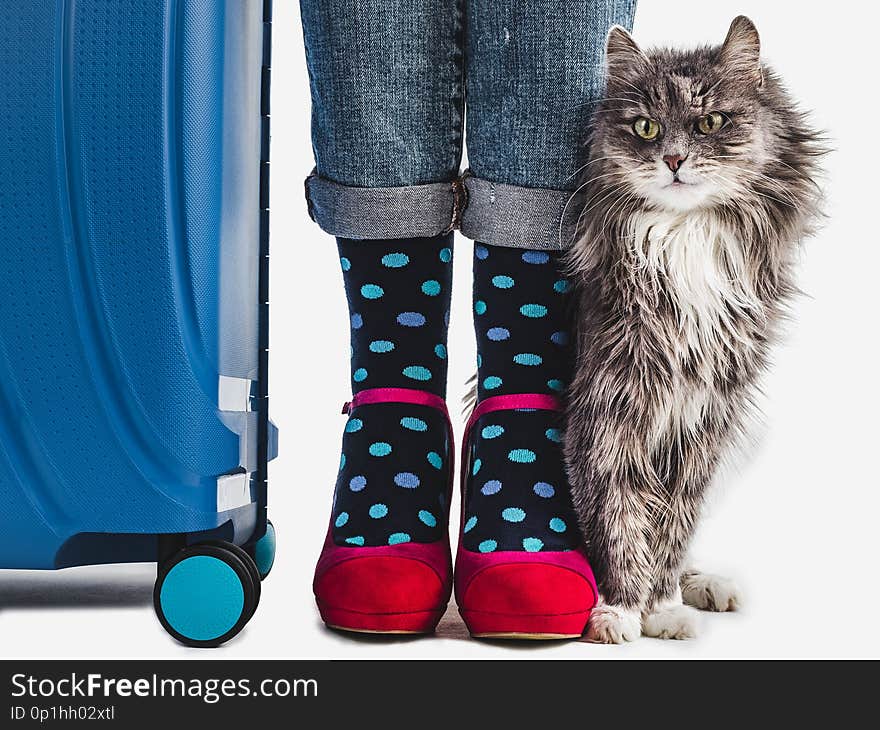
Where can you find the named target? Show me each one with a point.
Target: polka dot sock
(393, 474)
(517, 496)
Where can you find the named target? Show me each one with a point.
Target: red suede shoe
(521, 595)
(389, 589)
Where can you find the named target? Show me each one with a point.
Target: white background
(797, 523)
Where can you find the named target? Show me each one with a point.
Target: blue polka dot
(378, 511)
(431, 288)
(491, 487)
(407, 480)
(357, 321)
(354, 425)
(536, 257)
(357, 483)
(360, 375)
(359, 540)
(497, 334)
(559, 338)
(440, 351)
(492, 382)
(427, 518)
(502, 282)
(528, 358)
(380, 346)
(542, 489)
(557, 525)
(380, 448)
(532, 545)
(492, 432)
(470, 524)
(411, 319)
(413, 424)
(435, 460)
(398, 538)
(533, 311)
(561, 286)
(513, 514)
(372, 291)
(477, 464)
(480, 306)
(554, 434)
(346, 264)
(417, 372)
(342, 519)
(481, 252)
(556, 385)
(446, 255)
(395, 260)
(522, 456)
(487, 546)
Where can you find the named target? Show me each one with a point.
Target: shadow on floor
(93, 587)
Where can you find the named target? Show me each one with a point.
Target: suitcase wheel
(206, 593)
(264, 551)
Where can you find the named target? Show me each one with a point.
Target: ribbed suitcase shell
(133, 247)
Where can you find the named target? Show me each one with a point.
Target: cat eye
(646, 128)
(711, 123)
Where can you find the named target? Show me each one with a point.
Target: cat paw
(710, 592)
(671, 622)
(613, 625)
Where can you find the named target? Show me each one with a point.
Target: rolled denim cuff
(414, 211)
(518, 217)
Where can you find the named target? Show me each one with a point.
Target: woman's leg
(386, 79)
(535, 73)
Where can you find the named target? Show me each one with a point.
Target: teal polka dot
(431, 287)
(502, 282)
(346, 264)
(492, 382)
(358, 540)
(556, 385)
(411, 319)
(493, 486)
(479, 360)
(435, 460)
(542, 489)
(480, 306)
(528, 358)
(534, 311)
(477, 465)
(357, 483)
(379, 346)
(398, 538)
(446, 255)
(522, 456)
(492, 432)
(427, 518)
(380, 448)
(413, 424)
(378, 511)
(513, 514)
(354, 425)
(342, 462)
(440, 351)
(557, 525)
(561, 286)
(360, 375)
(407, 480)
(417, 372)
(554, 434)
(395, 260)
(342, 519)
(536, 257)
(487, 546)
(372, 291)
(470, 524)
(532, 545)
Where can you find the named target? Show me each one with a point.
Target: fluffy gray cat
(699, 189)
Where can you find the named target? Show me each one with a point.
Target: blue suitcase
(134, 139)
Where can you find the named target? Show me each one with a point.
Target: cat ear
(622, 53)
(741, 51)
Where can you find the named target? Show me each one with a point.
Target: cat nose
(674, 162)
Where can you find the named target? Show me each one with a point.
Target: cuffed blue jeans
(392, 82)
